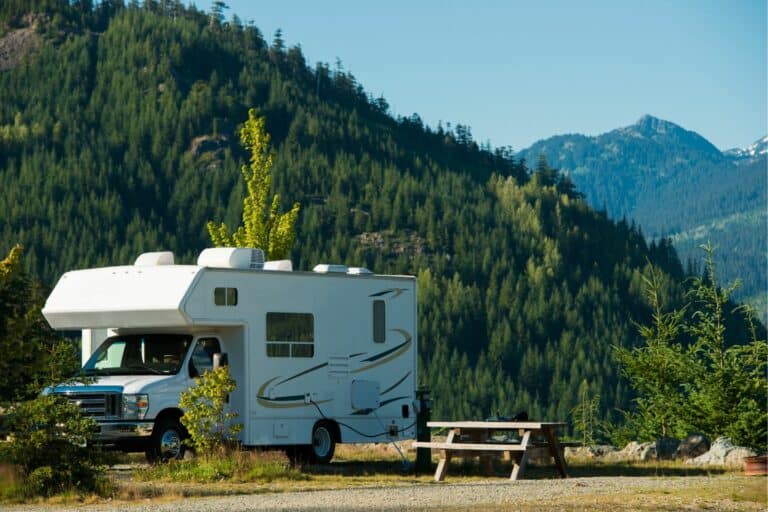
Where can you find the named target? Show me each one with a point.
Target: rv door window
(290, 334)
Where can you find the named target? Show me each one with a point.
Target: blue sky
(516, 72)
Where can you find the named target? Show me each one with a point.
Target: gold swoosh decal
(394, 355)
(273, 404)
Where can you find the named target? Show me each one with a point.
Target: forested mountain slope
(118, 136)
(674, 183)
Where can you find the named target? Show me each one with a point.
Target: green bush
(206, 417)
(49, 444)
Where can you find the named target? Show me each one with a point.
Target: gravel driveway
(484, 494)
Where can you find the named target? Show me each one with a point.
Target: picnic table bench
(475, 438)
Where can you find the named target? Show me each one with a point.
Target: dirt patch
(16, 45)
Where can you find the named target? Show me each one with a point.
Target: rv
(320, 357)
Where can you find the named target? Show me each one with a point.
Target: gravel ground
(483, 495)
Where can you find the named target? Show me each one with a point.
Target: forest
(118, 135)
(674, 183)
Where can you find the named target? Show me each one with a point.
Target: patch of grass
(236, 467)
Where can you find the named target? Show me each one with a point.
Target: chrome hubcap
(170, 444)
(321, 442)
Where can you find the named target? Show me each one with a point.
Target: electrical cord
(370, 436)
(406, 462)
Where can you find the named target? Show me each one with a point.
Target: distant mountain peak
(754, 150)
(649, 126)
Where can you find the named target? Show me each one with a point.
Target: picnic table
(476, 438)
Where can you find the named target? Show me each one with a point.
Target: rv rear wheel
(167, 441)
(323, 443)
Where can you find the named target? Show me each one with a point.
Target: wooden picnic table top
(497, 425)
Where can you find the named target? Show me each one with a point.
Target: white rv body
(356, 374)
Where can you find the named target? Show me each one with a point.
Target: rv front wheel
(323, 443)
(167, 441)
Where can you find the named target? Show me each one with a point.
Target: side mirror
(220, 359)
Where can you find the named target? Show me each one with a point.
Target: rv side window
(379, 321)
(225, 296)
(290, 335)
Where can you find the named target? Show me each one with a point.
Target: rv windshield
(142, 354)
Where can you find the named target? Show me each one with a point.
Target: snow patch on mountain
(754, 150)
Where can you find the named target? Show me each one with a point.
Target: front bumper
(124, 431)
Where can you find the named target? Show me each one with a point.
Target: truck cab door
(201, 360)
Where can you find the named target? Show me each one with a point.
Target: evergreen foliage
(49, 443)
(33, 356)
(47, 434)
(699, 384)
(523, 288)
(585, 416)
(675, 184)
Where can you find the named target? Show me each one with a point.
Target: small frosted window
(225, 296)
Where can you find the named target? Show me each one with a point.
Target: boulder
(666, 448)
(634, 451)
(736, 456)
(692, 446)
(723, 453)
(588, 452)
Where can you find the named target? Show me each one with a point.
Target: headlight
(135, 406)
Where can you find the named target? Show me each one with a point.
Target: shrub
(206, 415)
(49, 444)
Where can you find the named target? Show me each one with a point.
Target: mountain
(753, 151)
(119, 135)
(674, 183)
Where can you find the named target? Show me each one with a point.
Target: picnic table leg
(445, 458)
(485, 459)
(556, 452)
(519, 466)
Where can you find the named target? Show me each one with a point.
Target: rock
(666, 448)
(588, 452)
(736, 456)
(207, 144)
(692, 446)
(723, 453)
(634, 451)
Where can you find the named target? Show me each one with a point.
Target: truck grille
(97, 405)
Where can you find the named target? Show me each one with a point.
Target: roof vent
(257, 259)
(325, 268)
(151, 259)
(232, 257)
(359, 271)
(281, 265)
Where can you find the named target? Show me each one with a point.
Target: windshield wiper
(97, 371)
(145, 367)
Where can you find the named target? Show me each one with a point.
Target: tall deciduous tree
(267, 229)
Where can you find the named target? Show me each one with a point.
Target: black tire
(323, 443)
(167, 441)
